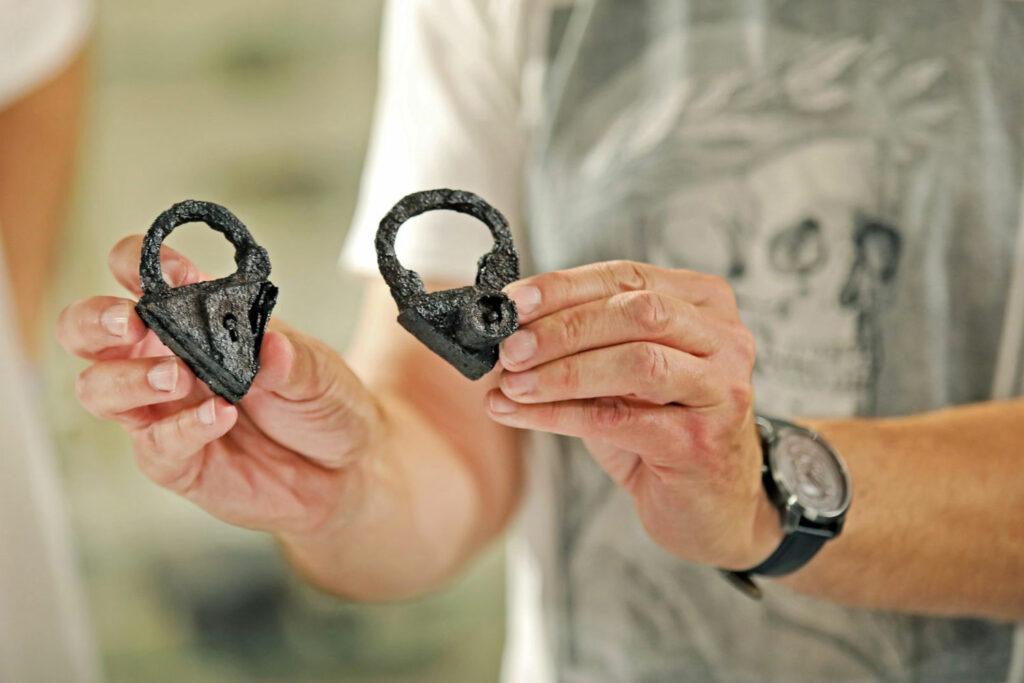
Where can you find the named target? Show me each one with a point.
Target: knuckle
(698, 430)
(134, 419)
(549, 413)
(741, 396)
(628, 276)
(156, 448)
(160, 438)
(720, 291)
(705, 387)
(569, 375)
(650, 363)
(151, 442)
(182, 427)
(746, 343)
(707, 435)
(721, 288)
(738, 342)
(648, 310)
(573, 331)
(608, 414)
(554, 283)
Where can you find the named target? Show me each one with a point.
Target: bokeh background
(264, 106)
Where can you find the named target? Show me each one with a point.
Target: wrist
(807, 482)
(323, 550)
(348, 487)
(768, 532)
(764, 533)
(404, 522)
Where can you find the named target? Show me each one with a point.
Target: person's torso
(853, 169)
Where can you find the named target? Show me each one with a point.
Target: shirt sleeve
(447, 115)
(38, 38)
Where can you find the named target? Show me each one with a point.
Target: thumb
(291, 365)
(306, 398)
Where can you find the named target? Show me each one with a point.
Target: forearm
(937, 522)
(38, 137)
(411, 519)
(442, 482)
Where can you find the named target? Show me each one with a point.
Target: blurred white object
(44, 633)
(711, 135)
(43, 627)
(1009, 382)
(37, 38)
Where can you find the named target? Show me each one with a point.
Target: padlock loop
(495, 269)
(252, 260)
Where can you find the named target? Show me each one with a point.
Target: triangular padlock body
(190, 320)
(433, 319)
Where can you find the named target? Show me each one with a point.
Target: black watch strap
(805, 536)
(793, 552)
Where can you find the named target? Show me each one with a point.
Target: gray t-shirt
(852, 167)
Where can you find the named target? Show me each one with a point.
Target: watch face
(811, 472)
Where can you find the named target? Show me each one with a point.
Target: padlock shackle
(495, 269)
(252, 259)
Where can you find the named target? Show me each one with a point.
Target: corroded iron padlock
(216, 327)
(465, 325)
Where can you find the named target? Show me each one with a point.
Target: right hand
(286, 459)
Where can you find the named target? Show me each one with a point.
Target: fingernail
(115, 319)
(208, 411)
(520, 346)
(518, 383)
(501, 405)
(527, 298)
(163, 376)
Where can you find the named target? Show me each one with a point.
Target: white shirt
(37, 38)
(43, 632)
(431, 133)
(448, 114)
(795, 148)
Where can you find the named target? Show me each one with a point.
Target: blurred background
(263, 106)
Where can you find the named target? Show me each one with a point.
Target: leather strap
(794, 552)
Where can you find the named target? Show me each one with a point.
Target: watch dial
(811, 472)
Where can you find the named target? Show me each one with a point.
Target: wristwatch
(809, 483)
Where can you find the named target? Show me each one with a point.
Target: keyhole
(231, 325)
(490, 309)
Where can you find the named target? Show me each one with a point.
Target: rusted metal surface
(216, 327)
(464, 325)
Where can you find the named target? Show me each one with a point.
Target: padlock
(216, 327)
(465, 325)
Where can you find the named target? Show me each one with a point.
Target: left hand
(651, 367)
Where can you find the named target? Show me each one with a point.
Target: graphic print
(868, 286)
(789, 183)
(796, 181)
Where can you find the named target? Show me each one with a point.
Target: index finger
(100, 327)
(544, 294)
(124, 264)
